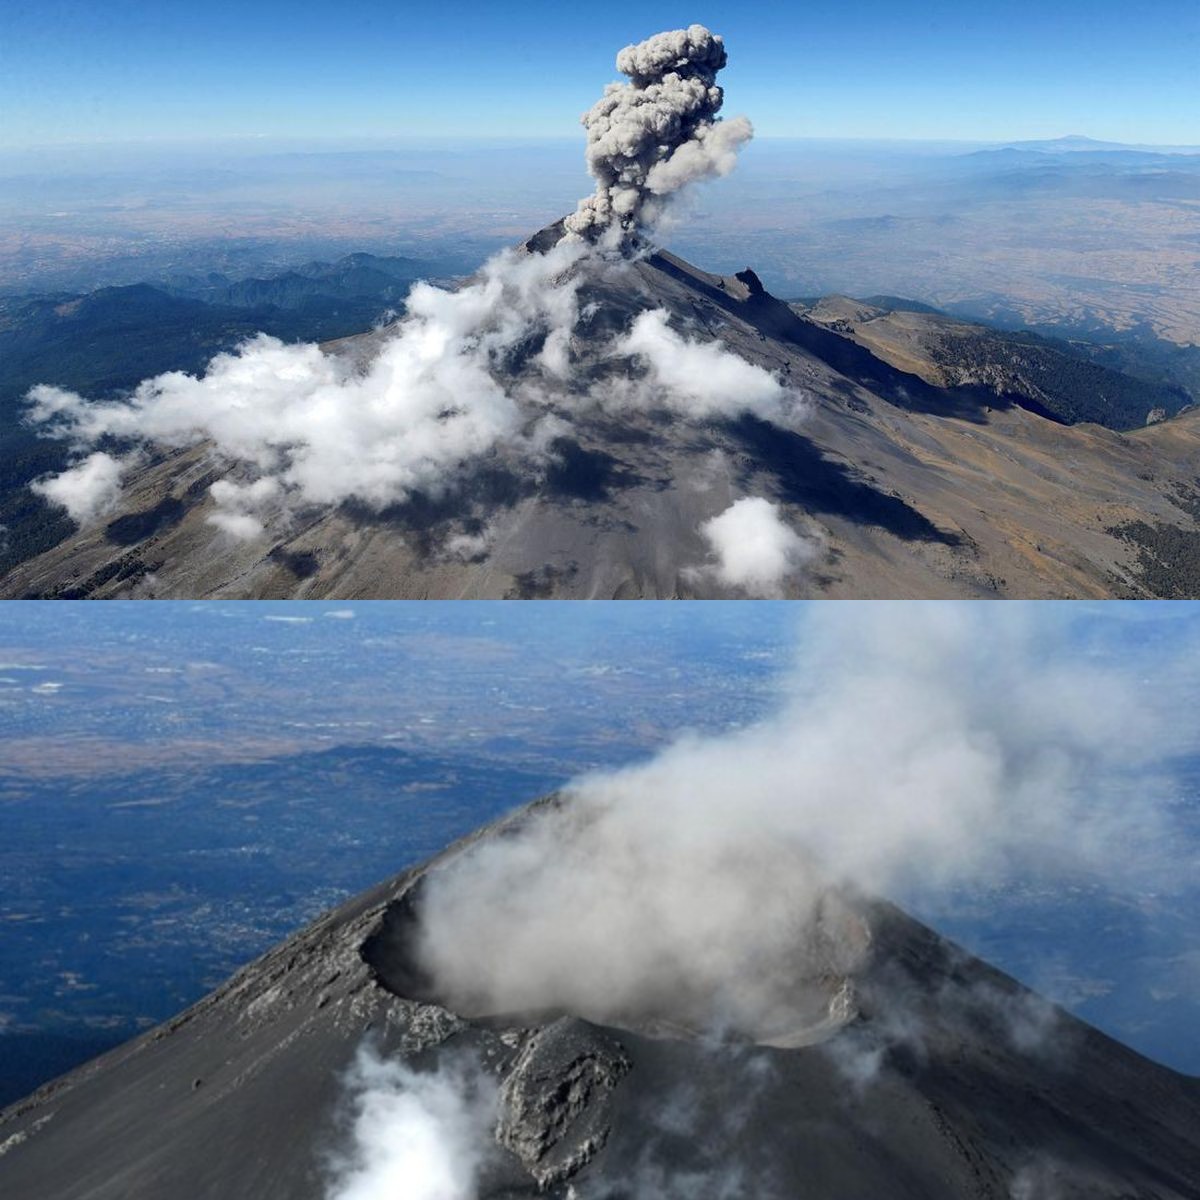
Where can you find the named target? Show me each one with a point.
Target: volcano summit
(901, 1067)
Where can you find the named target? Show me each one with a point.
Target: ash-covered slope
(897, 487)
(925, 1074)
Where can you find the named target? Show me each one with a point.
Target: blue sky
(81, 70)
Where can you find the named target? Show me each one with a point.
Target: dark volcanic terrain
(928, 1075)
(912, 479)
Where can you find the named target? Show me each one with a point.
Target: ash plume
(650, 137)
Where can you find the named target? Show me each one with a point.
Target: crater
(800, 996)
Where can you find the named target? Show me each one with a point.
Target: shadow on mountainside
(807, 478)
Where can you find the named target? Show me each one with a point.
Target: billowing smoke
(416, 1135)
(918, 746)
(650, 137)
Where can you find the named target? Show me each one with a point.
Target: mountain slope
(1046, 376)
(910, 489)
(940, 1078)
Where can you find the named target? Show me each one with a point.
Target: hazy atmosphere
(77, 73)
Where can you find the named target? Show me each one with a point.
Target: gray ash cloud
(650, 137)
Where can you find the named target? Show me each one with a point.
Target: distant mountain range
(318, 289)
(114, 337)
(103, 341)
(1075, 143)
(1159, 173)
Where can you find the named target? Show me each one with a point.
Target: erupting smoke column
(650, 137)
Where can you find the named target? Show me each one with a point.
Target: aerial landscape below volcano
(689, 969)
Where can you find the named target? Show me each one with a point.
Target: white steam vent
(572, 911)
(715, 888)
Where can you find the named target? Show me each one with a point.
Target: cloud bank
(470, 373)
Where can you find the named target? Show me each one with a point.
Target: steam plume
(657, 133)
(421, 1136)
(920, 746)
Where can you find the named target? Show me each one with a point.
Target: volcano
(905, 1068)
(901, 487)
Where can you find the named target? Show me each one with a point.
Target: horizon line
(429, 141)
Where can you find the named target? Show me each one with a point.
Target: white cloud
(87, 490)
(450, 385)
(340, 614)
(467, 546)
(755, 549)
(320, 430)
(241, 507)
(242, 526)
(697, 379)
